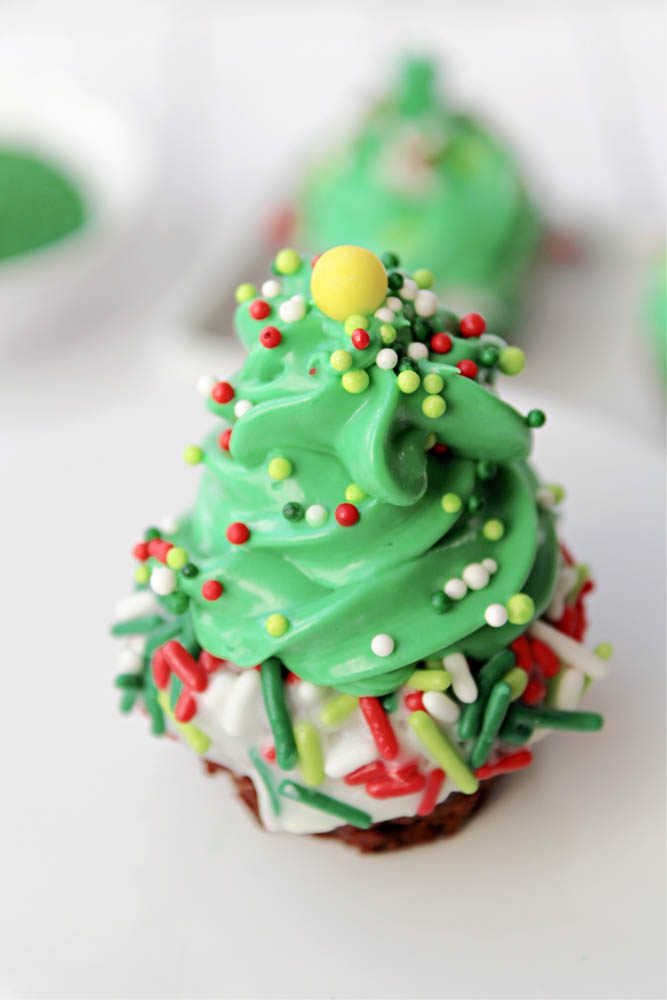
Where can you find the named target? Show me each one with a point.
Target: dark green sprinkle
(536, 418)
(128, 701)
(555, 718)
(177, 602)
(273, 692)
(492, 672)
(486, 469)
(129, 682)
(264, 772)
(390, 260)
(190, 570)
(422, 328)
(494, 713)
(137, 626)
(475, 503)
(440, 602)
(405, 364)
(395, 280)
(151, 533)
(158, 726)
(293, 511)
(488, 357)
(515, 735)
(409, 311)
(390, 702)
(326, 803)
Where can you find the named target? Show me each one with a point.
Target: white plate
(125, 873)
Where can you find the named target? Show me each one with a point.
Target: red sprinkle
(158, 548)
(160, 669)
(380, 727)
(292, 678)
(211, 590)
(269, 753)
(472, 325)
(434, 783)
(367, 772)
(467, 368)
(209, 662)
(535, 691)
(185, 666)
(140, 551)
(312, 371)
(238, 533)
(521, 649)
(270, 337)
(186, 707)
(415, 701)
(225, 438)
(222, 392)
(405, 771)
(545, 658)
(439, 448)
(391, 787)
(346, 514)
(512, 762)
(441, 343)
(259, 309)
(360, 339)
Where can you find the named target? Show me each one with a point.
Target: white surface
(124, 873)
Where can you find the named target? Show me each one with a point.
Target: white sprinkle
(242, 407)
(417, 350)
(426, 302)
(382, 644)
(440, 706)
(567, 579)
(163, 580)
(455, 588)
(129, 661)
(570, 650)
(316, 515)
(394, 303)
(205, 383)
(496, 615)
(387, 358)
(569, 689)
(490, 565)
(239, 709)
(292, 310)
(476, 576)
(168, 525)
(137, 643)
(463, 683)
(271, 288)
(408, 289)
(384, 314)
(350, 752)
(545, 497)
(138, 605)
(307, 693)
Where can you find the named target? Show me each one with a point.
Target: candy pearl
(238, 533)
(193, 454)
(394, 303)
(340, 361)
(388, 333)
(512, 361)
(423, 278)
(348, 279)
(316, 515)
(409, 289)
(408, 381)
(142, 574)
(354, 493)
(426, 303)
(472, 325)
(259, 309)
(475, 576)
(384, 314)
(292, 310)
(360, 339)
(467, 368)
(244, 292)
(395, 280)
(222, 392)
(307, 693)
(536, 418)
(493, 529)
(382, 644)
(455, 588)
(293, 511)
(441, 343)
(495, 615)
(346, 514)
(390, 259)
(488, 357)
(441, 707)
(168, 525)
(417, 351)
(225, 438)
(355, 322)
(387, 358)
(355, 381)
(177, 557)
(433, 383)
(205, 384)
(280, 468)
(270, 337)
(287, 261)
(490, 565)
(433, 406)
(129, 661)
(545, 497)
(520, 609)
(271, 288)
(451, 503)
(242, 407)
(211, 590)
(276, 625)
(163, 581)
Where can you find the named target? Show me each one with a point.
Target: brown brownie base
(446, 819)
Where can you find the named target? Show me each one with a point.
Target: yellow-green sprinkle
(429, 680)
(310, 753)
(337, 709)
(439, 746)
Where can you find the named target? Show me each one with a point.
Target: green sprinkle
(429, 680)
(517, 680)
(486, 469)
(493, 529)
(494, 713)
(512, 361)
(264, 772)
(389, 259)
(451, 503)
(151, 533)
(325, 803)
(440, 602)
(387, 333)
(190, 570)
(338, 709)
(129, 682)
(310, 753)
(488, 357)
(423, 278)
(439, 746)
(161, 635)
(278, 715)
(293, 511)
(536, 418)
(555, 718)
(493, 671)
(128, 701)
(520, 609)
(177, 602)
(515, 735)
(158, 726)
(137, 626)
(142, 574)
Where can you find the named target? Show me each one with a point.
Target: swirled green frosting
(337, 587)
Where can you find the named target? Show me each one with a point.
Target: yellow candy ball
(355, 322)
(433, 383)
(356, 381)
(176, 557)
(348, 280)
(423, 278)
(244, 292)
(493, 530)
(408, 381)
(520, 609)
(340, 360)
(512, 361)
(287, 261)
(434, 406)
(354, 493)
(451, 503)
(276, 625)
(280, 468)
(142, 574)
(388, 333)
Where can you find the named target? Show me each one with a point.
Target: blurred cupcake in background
(433, 185)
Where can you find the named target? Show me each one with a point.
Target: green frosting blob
(39, 204)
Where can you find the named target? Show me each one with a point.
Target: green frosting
(339, 587)
(39, 204)
(435, 186)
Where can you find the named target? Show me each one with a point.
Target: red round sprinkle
(238, 533)
(439, 448)
(211, 590)
(472, 325)
(312, 371)
(269, 754)
(140, 551)
(360, 339)
(270, 337)
(415, 701)
(259, 309)
(222, 392)
(158, 549)
(535, 691)
(346, 514)
(225, 438)
(441, 343)
(467, 368)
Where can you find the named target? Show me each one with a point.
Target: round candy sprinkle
(408, 381)
(354, 322)
(168, 525)
(211, 590)
(384, 314)
(316, 515)
(354, 493)
(451, 503)
(271, 288)
(193, 454)
(433, 406)
(426, 302)
(486, 469)
(280, 468)
(475, 576)
(475, 503)
(238, 533)
(394, 303)
(244, 292)
(287, 261)
(177, 558)
(276, 625)
(387, 333)
(205, 384)
(382, 644)
(292, 310)
(189, 571)
(293, 511)
(488, 357)
(441, 343)
(490, 565)
(163, 580)
(423, 277)
(467, 368)
(140, 551)
(242, 407)
(389, 259)
(511, 361)
(395, 280)
(493, 529)
(495, 615)
(440, 602)
(270, 337)
(360, 339)
(259, 309)
(346, 280)
(520, 609)
(340, 361)
(151, 533)
(387, 358)
(433, 383)
(142, 574)
(536, 418)
(346, 514)
(409, 289)
(222, 392)
(472, 325)
(225, 438)
(417, 351)
(355, 382)
(455, 588)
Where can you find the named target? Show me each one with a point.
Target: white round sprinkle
(382, 644)
(455, 588)
(205, 383)
(307, 693)
(417, 350)
(408, 289)
(495, 615)
(384, 314)
(475, 576)
(271, 288)
(546, 498)
(242, 407)
(168, 525)
(316, 515)
(293, 310)
(394, 303)
(163, 581)
(490, 565)
(440, 706)
(387, 358)
(129, 661)
(426, 302)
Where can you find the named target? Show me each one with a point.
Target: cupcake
(435, 186)
(366, 617)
